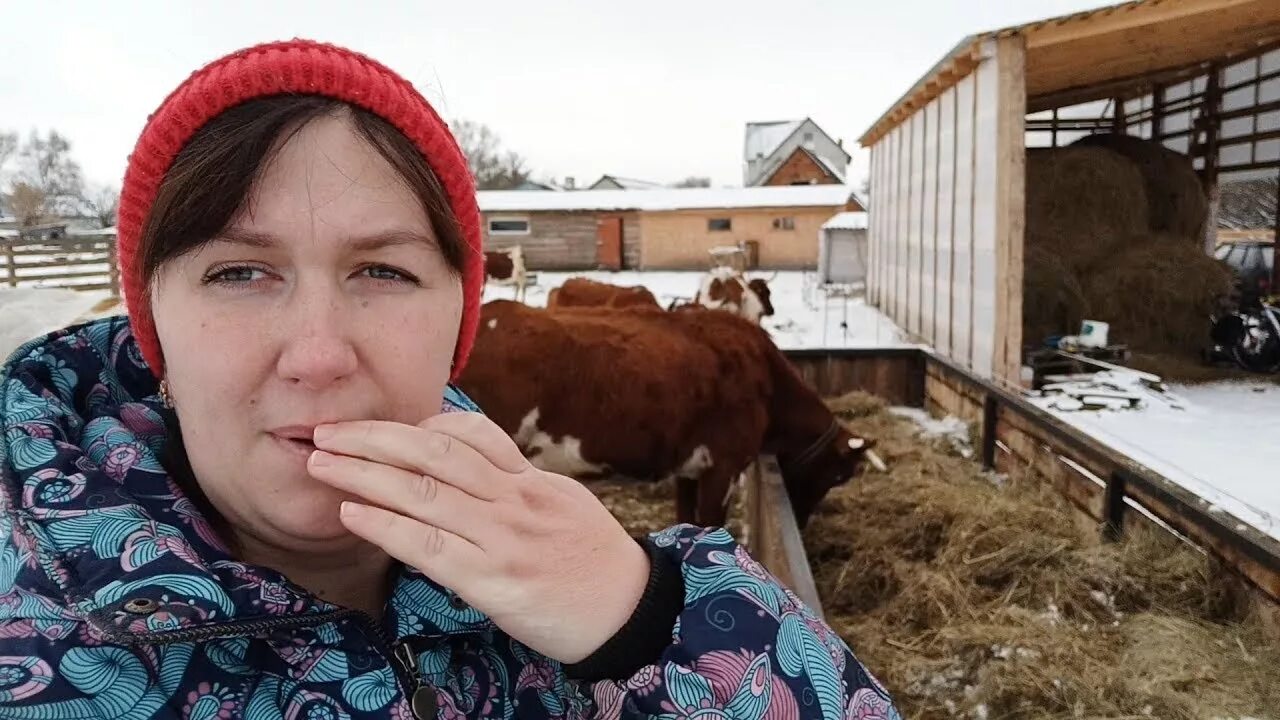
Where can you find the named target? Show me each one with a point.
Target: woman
(260, 496)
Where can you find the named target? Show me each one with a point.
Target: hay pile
(971, 596)
(1176, 202)
(1113, 231)
(1082, 203)
(1158, 294)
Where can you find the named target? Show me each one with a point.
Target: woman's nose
(318, 350)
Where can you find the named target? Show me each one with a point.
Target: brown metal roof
(1088, 55)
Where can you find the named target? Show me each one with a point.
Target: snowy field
(27, 312)
(1220, 444)
(804, 315)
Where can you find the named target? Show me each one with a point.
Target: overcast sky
(655, 89)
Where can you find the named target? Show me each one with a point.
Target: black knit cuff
(647, 633)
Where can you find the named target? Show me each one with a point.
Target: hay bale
(1053, 300)
(1176, 200)
(1158, 294)
(1082, 203)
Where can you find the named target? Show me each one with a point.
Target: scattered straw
(963, 590)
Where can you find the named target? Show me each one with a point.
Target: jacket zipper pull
(422, 698)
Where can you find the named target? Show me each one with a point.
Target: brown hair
(212, 177)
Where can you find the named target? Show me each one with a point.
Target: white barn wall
(985, 175)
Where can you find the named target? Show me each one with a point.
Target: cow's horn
(876, 462)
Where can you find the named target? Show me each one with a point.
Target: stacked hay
(1082, 203)
(1113, 231)
(1176, 202)
(973, 596)
(1052, 299)
(1159, 292)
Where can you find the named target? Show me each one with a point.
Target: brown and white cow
(724, 288)
(584, 292)
(648, 394)
(506, 267)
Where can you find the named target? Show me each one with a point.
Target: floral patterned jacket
(117, 600)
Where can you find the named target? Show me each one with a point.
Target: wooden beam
(1010, 206)
(773, 537)
(1137, 16)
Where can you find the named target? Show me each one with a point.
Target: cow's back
(640, 387)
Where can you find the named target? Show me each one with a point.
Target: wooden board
(929, 229)
(962, 228)
(773, 538)
(895, 374)
(986, 178)
(1010, 203)
(946, 219)
(902, 242)
(915, 223)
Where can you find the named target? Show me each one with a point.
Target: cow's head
(831, 460)
(761, 289)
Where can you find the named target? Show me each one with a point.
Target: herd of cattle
(606, 382)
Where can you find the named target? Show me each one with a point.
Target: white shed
(842, 249)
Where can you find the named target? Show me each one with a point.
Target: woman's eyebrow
(365, 243)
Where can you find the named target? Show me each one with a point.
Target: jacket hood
(90, 507)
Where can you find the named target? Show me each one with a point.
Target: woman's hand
(453, 497)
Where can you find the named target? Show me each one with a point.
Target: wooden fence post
(990, 414)
(113, 266)
(9, 264)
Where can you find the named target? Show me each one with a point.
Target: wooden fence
(78, 262)
(1019, 439)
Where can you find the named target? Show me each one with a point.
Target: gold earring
(165, 398)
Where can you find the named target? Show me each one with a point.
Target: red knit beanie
(294, 67)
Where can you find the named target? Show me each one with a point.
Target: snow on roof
(667, 199)
(765, 137)
(847, 221)
(629, 183)
(830, 166)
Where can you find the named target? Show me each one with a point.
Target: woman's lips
(295, 440)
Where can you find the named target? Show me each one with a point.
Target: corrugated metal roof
(493, 201)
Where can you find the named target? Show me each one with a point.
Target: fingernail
(349, 509)
(320, 458)
(323, 432)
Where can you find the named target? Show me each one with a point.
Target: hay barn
(959, 203)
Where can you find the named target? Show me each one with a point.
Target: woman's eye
(235, 275)
(382, 273)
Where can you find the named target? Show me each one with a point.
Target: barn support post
(1011, 157)
(1275, 241)
(1114, 506)
(1210, 116)
(990, 416)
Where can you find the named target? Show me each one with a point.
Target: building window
(784, 223)
(719, 224)
(508, 226)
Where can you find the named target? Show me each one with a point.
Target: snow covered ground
(1220, 444)
(804, 315)
(26, 312)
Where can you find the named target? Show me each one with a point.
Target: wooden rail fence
(75, 262)
(1018, 438)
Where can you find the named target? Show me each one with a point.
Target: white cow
(724, 288)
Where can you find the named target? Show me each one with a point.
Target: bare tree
(693, 181)
(28, 203)
(493, 167)
(46, 164)
(102, 203)
(8, 147)
(1248, 204)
